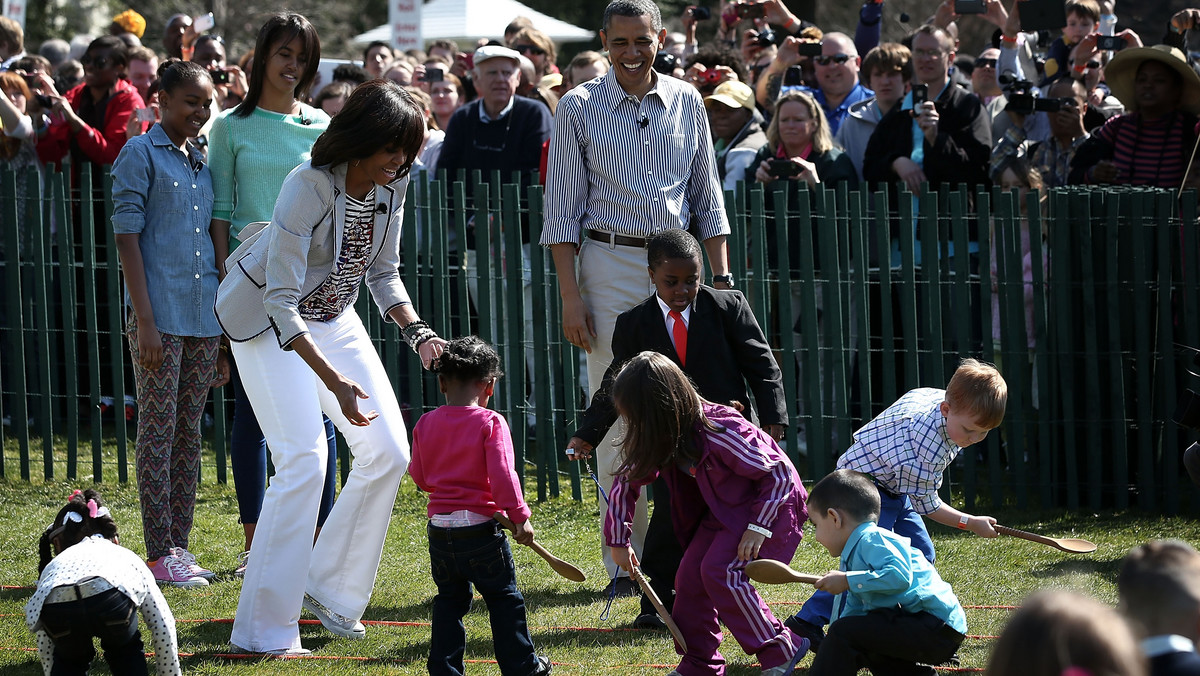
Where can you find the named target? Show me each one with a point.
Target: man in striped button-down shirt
(630, 156)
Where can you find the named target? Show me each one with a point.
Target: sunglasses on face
(825, 60)
(530, 49)
(98, 63)
(986, 63)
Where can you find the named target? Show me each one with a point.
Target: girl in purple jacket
(735, 497)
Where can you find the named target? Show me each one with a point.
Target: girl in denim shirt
(162, 197)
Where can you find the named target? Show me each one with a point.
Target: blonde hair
(1159, 588)
(979, 389)
(539, 39)
(1056, 630)
(822, 140)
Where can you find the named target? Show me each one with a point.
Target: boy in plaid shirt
(905, 450)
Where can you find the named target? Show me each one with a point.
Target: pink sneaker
(190, 559)
(172, 571)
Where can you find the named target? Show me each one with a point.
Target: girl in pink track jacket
(735, 497)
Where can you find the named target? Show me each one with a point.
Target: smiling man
(630, 156)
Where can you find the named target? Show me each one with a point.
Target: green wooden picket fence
(888, 293)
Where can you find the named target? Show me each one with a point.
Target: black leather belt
(621, 240)
(78, 591)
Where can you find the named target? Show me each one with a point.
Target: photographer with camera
(944, 139)
(837, 85)
(229, 82)
(799, 155)
(1051, 157)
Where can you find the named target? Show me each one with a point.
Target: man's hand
(1012, 25)
(834, 582)
(1185, 20)
(995, 13)
(578, 449)
(927, 120)
(910, 172)
(944, 15)
(776, 13)
(578, 326)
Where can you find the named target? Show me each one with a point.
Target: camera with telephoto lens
(1022, 98)
(665, 63)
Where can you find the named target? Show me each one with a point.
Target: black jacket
(725, 349)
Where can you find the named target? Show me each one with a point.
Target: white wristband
(759, 529)
(963, 521)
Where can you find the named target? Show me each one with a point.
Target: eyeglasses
(986, 63)
(825, 60)
(99, 63)
(928, 53)
(530, 49)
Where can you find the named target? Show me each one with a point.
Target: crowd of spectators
(1084, 104)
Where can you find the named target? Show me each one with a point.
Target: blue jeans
(248, 457)
(478, 555)
(110, 616)
(895, 514)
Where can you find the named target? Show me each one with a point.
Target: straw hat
(1122, 71)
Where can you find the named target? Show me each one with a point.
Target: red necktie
(679, 334)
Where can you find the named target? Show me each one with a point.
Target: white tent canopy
(469, 20)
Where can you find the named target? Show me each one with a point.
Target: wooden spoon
(1072, 545)
(770, 571)
(659, 608)
(559, 566)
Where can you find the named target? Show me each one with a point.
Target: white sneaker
(243, 560)
(194, 566)
(346, 627)
(280, 652)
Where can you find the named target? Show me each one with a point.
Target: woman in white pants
(287, 306)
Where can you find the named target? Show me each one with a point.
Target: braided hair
(83, 516)
(468, 359)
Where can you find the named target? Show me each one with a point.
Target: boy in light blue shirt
(892, 612)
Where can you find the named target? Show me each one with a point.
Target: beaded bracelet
(417, 333)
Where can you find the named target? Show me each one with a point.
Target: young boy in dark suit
(713, 336)
(1159, 589)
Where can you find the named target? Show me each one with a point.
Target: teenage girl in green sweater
(252, 149)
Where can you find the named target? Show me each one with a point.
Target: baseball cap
(733, 94)
(496, 51)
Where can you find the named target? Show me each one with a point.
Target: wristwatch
(726, 279)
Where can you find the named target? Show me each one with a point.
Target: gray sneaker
(346, 627)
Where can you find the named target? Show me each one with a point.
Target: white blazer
(281, 262)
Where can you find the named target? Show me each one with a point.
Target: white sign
(405, 19)
(15, 10)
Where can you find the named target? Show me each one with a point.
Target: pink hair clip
(92, 513)
(1076, 671)
(72, 496)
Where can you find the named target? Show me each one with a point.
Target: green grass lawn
(564, 617)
